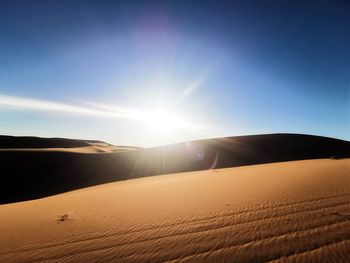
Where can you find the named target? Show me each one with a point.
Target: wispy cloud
(22, 103)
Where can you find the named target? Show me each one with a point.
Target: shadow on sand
(27, 175)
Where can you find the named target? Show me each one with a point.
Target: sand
(37, 144)
(296, 211)
(84, 149)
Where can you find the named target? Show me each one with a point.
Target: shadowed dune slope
(12, 142)
(281, 212)
(27, 175)
(35, 144)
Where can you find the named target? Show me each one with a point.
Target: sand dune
(296, 211)
(60, 165)
(37, 144)
(84, 149)
(238, 199)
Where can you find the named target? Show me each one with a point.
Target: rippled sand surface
(285, 212)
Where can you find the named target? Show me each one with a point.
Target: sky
(147, 73)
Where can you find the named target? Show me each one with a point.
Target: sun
(161, 119)
(164, 121)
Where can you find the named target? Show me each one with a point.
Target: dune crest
(44, 172)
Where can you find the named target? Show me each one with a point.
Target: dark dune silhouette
(11, 142)
(27, 175)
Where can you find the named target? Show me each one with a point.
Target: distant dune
(35, 167)
(35, 144)
(296, 211)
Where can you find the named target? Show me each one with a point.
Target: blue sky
(99, 69)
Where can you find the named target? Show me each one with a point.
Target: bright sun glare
(164, 121)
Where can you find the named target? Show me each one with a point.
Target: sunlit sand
(284, 211)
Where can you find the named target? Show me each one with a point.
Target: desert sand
(296, 211)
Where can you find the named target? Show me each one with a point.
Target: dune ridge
(38, 144)
(12, 142)
(46, 172)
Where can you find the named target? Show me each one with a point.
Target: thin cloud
(22, 103)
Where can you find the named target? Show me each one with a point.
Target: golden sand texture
(283, 212)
